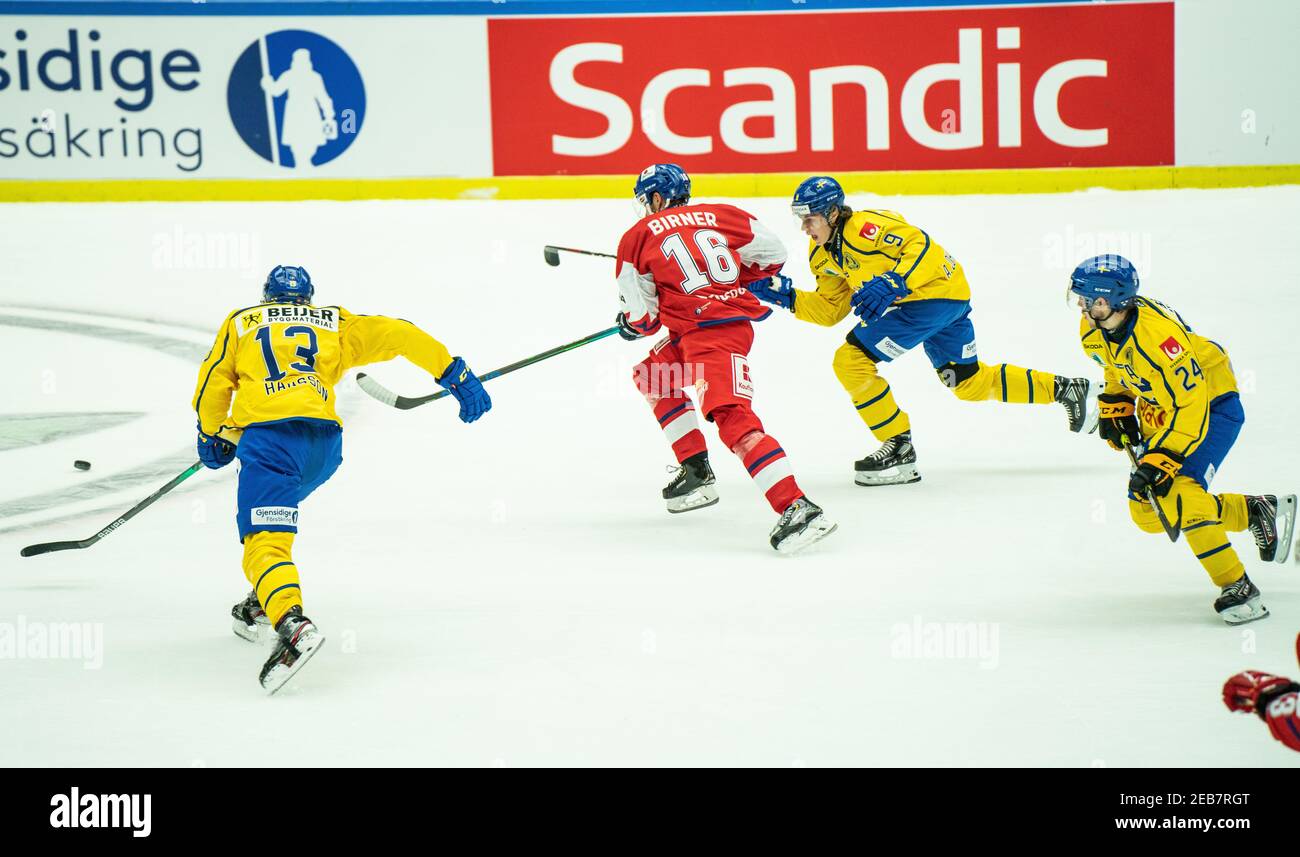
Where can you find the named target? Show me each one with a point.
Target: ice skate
(1079, 398)
(893, 464)
(249, 619)
(1240, 602)
(801, 525)
(296, 641)
(692, 487)
(1272, 523)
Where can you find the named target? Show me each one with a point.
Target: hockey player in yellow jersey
(280, 360)
(1171, 396)
(907, 291)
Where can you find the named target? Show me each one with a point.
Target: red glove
(1242, 692)
(1283, 720)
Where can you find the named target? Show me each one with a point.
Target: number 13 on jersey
(306, 353)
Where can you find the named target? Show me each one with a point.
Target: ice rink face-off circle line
(62, 321)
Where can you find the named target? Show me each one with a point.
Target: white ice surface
(513, 593)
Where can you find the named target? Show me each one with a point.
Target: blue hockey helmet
(668, 180)
(288, 284)
(1110, 276)
(817, 195)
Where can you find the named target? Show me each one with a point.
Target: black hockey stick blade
(378, 391)
(551, 254)
(1171, 530)
(51, 547)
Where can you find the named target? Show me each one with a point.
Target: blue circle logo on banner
(296, 99)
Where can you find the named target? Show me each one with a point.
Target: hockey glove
(1283, 718)
(877, 295)
(777, 289)
(468, 390)
(1156, 471)
(215, 452)
(625, 328)
(1251, 691)
(1117, 424)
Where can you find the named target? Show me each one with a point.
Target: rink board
(449, 100)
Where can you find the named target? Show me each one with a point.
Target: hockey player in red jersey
(1274, 698)
(684, 268)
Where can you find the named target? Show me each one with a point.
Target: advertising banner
(225, 97)
(1055, 86)
(561, 97)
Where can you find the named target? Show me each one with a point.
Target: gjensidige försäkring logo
(296, 98)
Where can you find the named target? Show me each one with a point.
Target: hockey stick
(552, 254)
(378, 391)
(50, 547)
(1171, 530)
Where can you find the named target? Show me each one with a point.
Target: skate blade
(700, 498)
(903, 475)
(256, 633)
(1286, 508)
(280, 676)
(1243, 613)
(819, 529)
(1092, 409)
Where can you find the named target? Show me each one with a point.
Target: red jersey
(1283, 714)
(1283, 719)
(687, 267)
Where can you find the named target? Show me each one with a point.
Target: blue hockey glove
(215, 452)
(777, 289)
(877, 295)
(468, 390)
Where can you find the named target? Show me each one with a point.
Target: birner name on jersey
(274, 387)
(664, 222)
(326, 318)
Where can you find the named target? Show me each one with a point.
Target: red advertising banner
(1045, 86)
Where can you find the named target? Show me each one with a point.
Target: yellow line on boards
(885, 183)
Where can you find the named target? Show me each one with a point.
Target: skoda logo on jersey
(296, 99)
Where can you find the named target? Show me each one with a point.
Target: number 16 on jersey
(717, 257)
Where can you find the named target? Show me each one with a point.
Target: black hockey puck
(81, 465)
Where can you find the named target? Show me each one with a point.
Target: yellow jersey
(871, 243)
(281, 361)
(1173, 374)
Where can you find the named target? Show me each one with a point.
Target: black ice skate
(296, 641)
(1272, 523)
(1079, 397)
(802, 524)
(693, 486)
(893, 464)
(249, 619)
(1239, 603)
